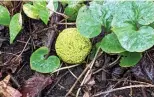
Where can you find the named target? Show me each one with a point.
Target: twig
(24, 48)
(8, 53)
(56, 82)
(114, 62)
(88, 72)
(110, 65)
(66, 23)
(45, 29)
(23, 42)
(14, 81)
(71, 89)
(133, 81)
(72, 74)
(65, 16)
(131, 90)
(122, 88)
(67, 67)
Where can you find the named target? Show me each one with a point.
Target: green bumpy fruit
(72, 47)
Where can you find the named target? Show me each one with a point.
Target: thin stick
(72, 74)
(8, 53)
(88, 72)
(66, 23)
(114, 62)
(24, 48)
(65, 16)
(22, 42)
(109, 65)
(133, 81)
(71, 89)
(51, 88)
(67, 67)
(15, 81)
(122, 88)
(45, 29)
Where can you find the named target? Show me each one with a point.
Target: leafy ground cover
(76, 48)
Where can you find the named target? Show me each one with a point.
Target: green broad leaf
(72, 11)
(42, 65)
(134, 12)
(44, 15)
(111, 44)
(89, 20)
(124, 15)
(145, 12)
(70, 2)
(40, 4)
(15, 26)
(129, 25)
(43, 11)
(135, 40)
(31, 11)
(4, 16)
(130, 59)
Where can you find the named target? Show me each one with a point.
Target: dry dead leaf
(86, 94)
(35, 85)
(144, 70)
(6, 90)
(89, 82)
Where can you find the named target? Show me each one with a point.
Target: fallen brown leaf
(35, 85)
(6, 90)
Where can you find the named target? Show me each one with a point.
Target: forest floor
(106, 78)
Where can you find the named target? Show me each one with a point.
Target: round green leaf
(89, 20)
(130, 59)
(137, 13)
(135, 41)
(4, 16)
(110, 44)
(31, 11)
(124, 15)
(40, 64)
(134, 12)
(128, 25)
(15, 26)
(146, 12)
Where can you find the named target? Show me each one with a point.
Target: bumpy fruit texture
(71, 47)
